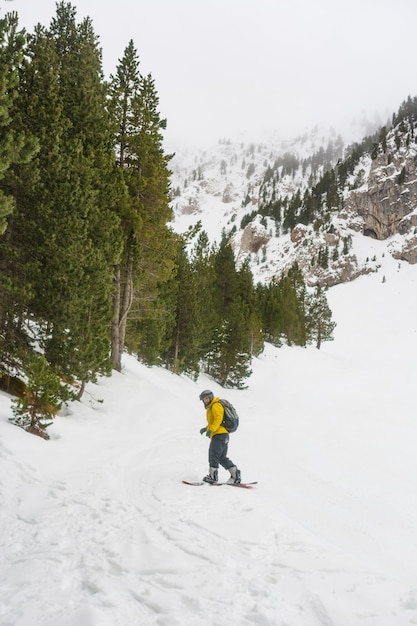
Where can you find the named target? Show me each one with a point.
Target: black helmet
(206, 393)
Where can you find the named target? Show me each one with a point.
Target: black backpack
(230, 418)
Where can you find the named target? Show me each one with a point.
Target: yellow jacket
(214, 415)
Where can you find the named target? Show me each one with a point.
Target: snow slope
(96, 528)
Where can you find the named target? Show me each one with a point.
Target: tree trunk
(122, 301)
(116, 357)
(318, 345)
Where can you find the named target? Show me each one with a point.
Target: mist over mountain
(315, 199)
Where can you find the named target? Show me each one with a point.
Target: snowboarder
(219, 440)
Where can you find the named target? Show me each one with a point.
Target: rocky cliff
(386, 204)
(235, 189)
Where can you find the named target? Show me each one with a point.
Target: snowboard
(199, 483)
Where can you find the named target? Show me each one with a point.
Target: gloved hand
(208, 433)
(203, 430)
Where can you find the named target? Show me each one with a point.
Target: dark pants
(218, 452)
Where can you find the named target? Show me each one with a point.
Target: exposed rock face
(298, 233)
(253, 238)
(191, 207)
(341, 270)
(345, 270)
(228, 193)
(388, 197)
(380, 201)
(408, 252)
(408, 224)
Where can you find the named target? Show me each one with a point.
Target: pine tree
(292, 322)
(250, 307)
(144, 215)
(271, 312)
(42, 399)
(320, 326)
(195, 314)
(88, 186)
(15, 146)
(65, 227)
(183, 354)
(150, 335)
(282, 308)
(228, 359)
(226, 363)
(293, 294)
(204, 276)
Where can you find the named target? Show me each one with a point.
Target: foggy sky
(226, 66)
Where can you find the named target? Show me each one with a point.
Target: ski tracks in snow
(105, 534)
(225, 571)
(196, 553)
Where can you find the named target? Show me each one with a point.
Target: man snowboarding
(219, 440)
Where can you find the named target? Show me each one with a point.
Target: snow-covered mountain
(233, 187)
(221, 185)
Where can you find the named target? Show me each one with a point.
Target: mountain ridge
(248, 191)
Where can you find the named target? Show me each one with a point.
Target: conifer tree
(271, 312)
(64, 225)
(282, 306)
(148, 246)
(226, 363)
(292, 321)
(43, 397)
(195, 315)
(204, 276)
(216, 315)
(183, 354)
(293, 294)
(150, 335)
(228, 360)
(15, 146)
(90, 193)
(250, 306)
(320, 326)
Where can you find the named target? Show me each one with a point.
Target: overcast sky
(225, 66)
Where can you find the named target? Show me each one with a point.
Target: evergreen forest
(89, 267)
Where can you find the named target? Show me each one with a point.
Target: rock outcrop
(388, 198)
(254, 236)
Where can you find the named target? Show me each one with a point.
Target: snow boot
(234, 475)
(212, 476)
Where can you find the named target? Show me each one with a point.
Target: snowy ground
(96, 528)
